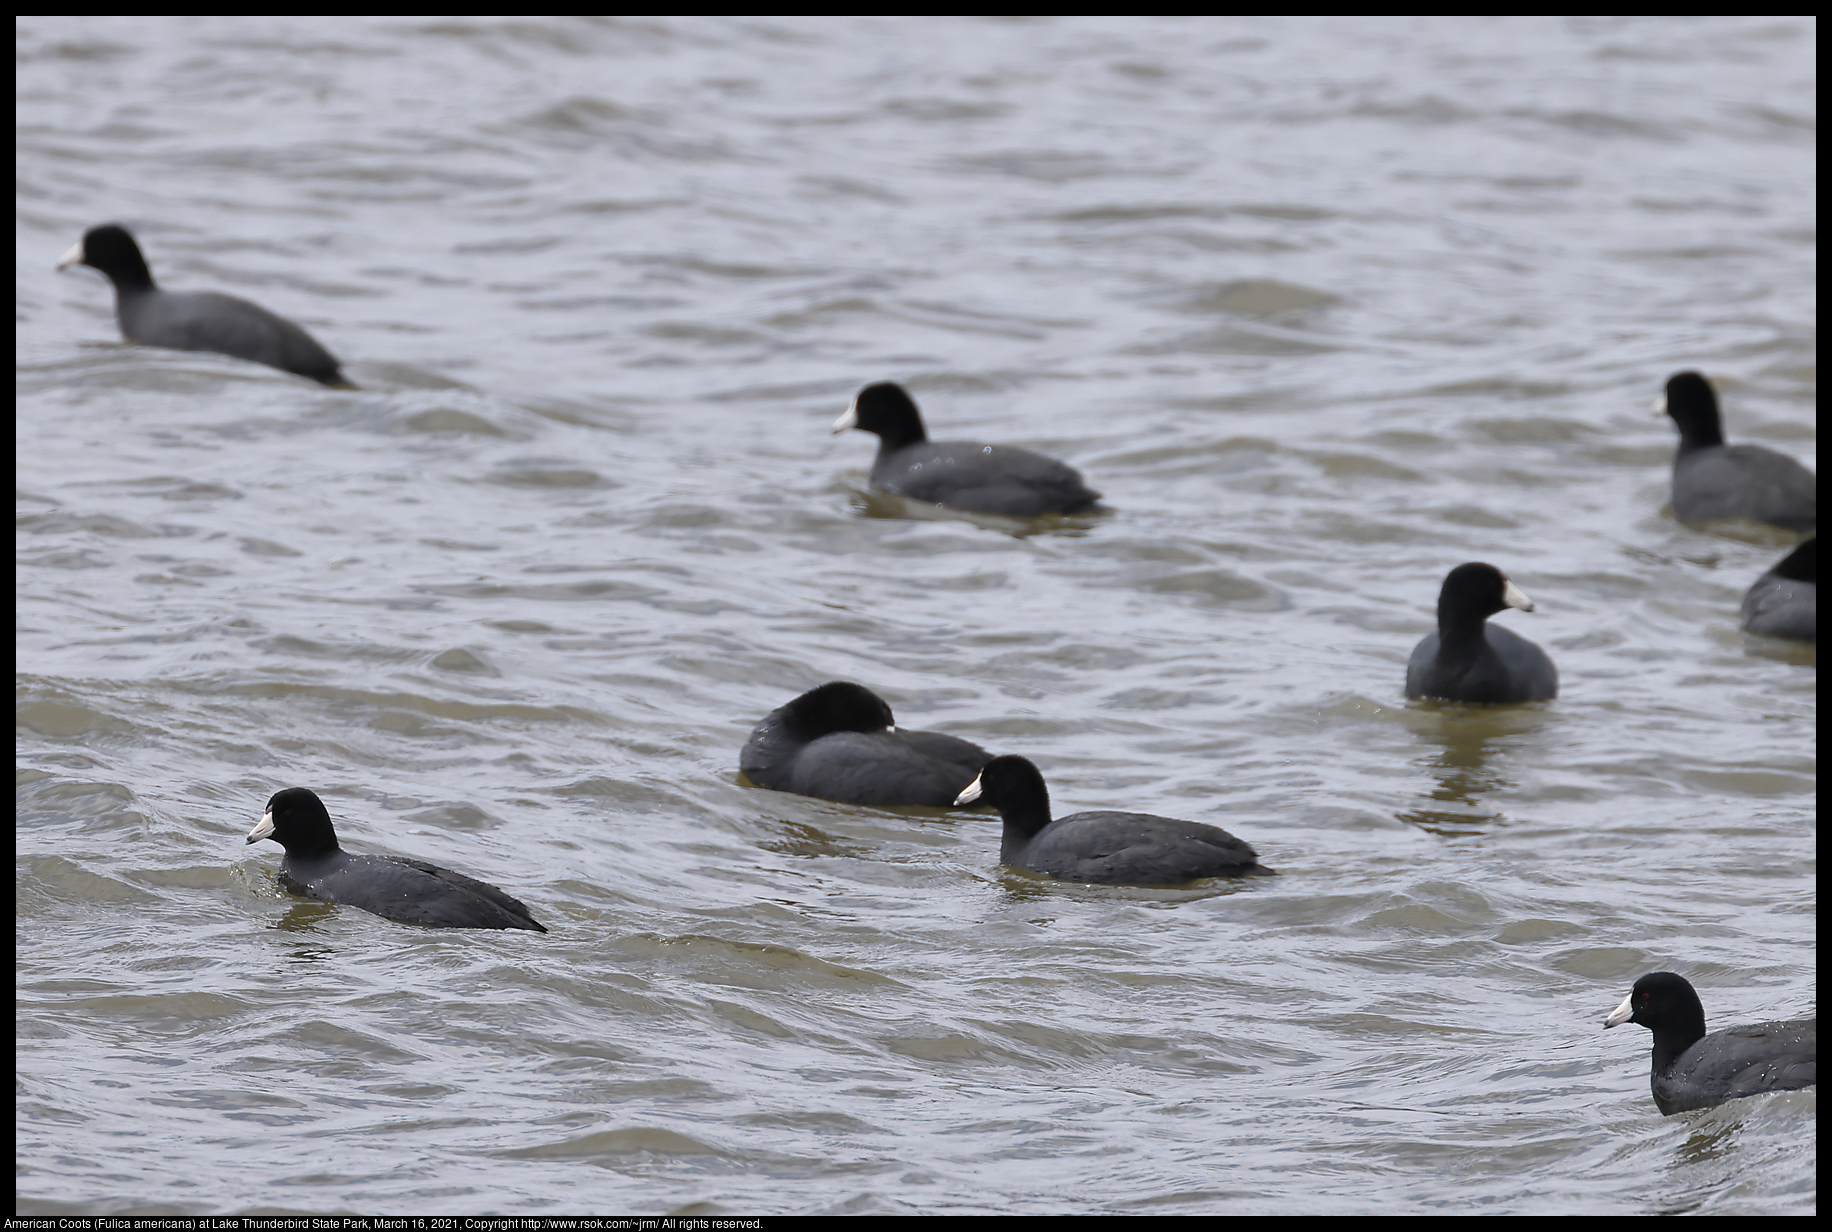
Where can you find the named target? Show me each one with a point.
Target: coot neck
(1671, 1039)
(131, 277)
(905, 431)
(1458, 637)
(1701, 428)
(1024, 819)
(313, 849)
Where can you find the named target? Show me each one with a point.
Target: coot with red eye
(1695, 1070)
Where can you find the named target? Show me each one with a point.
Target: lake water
(1324, 307)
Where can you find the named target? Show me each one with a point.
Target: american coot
(1784, 602)
(1109, 848)
(838, 742)
(197, 320)
(959, 474)
(1695, 1070)
(393, 887)
(1715, 480)
(1470, 660)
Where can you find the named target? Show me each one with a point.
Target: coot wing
(1739, 1061)
(984, 478)
(210, 321)
(411, 891)
(1138, 849)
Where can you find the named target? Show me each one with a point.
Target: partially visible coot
(396, 888)
(197, 320)
(959, 474)
(1784, 602)
(1470, 660)
(1695, 1070)
(1715, 480)
(839, 742)
(1107, 848)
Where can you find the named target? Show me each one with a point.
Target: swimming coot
(1470, 660)
(197, 320)
(1715, 480)
(959, 474)
(1784, 602)
(838, 742)
(1695, 1070)
(394, 887)
(1108, 848)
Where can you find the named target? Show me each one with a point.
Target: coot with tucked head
(1470, 660)
(1784, 602)
(394, 887)
(197, 320)
(1695, 1070)
(1715, 480)
(1107, 848)
(839, 742)
(963, 475)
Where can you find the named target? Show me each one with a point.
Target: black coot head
(837, 706)
(1015, 787)
(297, 820)
(112, 250)
(1693, 406)
(1663, 1002)
(1800, 565)
(885, 410)
(1472, 593)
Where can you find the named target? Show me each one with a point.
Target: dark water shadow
(877, 503)
(1467, 739)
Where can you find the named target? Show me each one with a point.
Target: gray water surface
(1325, 307)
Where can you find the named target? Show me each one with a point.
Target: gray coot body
(197, 320)
(411, 891)
(1695, 1070)
(1470, 660)
(1784, 602)
(838, 742)
(959, 474)
(1715, 480)
(1107, 848)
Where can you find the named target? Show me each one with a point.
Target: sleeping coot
(1715, 480)
(197, 320)
(411, 891)
(1108, 848)
(1695, 1070)
(1470, 660)
(959, 474)
(838, 742)
(1784, 602)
